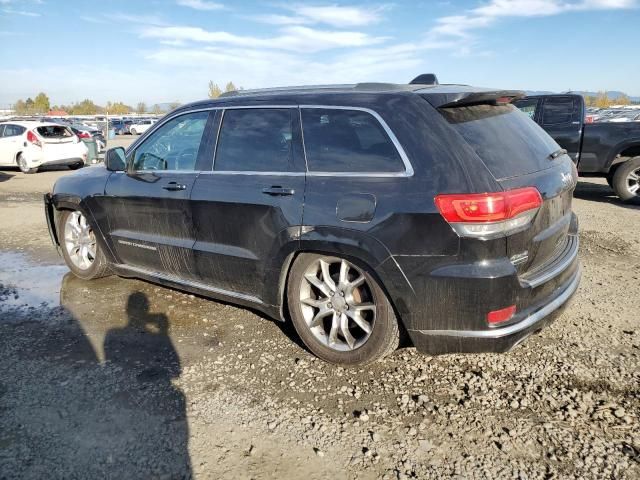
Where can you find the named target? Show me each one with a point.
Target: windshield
(508, 142)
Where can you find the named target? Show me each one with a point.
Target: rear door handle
(174, 186)
(278, 191)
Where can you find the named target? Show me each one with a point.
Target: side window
(256, 140)
(2, 131)
(340, 141)
(527, 106)
(12, 130)
(557, 110)
(174, 146)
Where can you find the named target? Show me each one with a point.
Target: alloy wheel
(80, 241)
(337, 303)
(633, 181)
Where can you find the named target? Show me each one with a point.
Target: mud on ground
(120, 378)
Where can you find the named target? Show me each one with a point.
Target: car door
(562, 118)
(248, 208)
(10, 143)
(150, 220)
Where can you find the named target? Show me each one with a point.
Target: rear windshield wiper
(557, 153)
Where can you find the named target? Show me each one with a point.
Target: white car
(30, 145)
(141, 127)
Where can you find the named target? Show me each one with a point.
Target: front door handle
(174, 186)
(278, 191)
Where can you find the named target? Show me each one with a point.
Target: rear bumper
(501, 339)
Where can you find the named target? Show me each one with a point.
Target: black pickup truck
(610, 150)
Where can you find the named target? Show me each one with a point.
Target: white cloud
(488, 14)
(291, 38)
(340, 16)
(24, 13)
(200, 4)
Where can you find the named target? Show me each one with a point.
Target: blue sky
(168, 50)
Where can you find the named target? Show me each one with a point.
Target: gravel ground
(119, 378)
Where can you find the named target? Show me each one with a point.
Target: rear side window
(13, 130)
(255, 140)
(354, 141)
(508, 142)
(557, 110)
(54, 131)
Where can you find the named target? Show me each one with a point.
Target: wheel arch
(361, 249)
(62, 203)
(623, 152)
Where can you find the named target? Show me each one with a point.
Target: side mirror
(115, 159)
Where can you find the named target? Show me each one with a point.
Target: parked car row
(615, 115)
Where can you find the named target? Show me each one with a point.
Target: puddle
(25, 284)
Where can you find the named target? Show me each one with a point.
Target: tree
(602, 100)
(156, 110)
(174, 105)
(230, 87)
(623, 100)
(20, 107)
(117, 108)
(85, 107)
(41, 103)
(590, 100)
(214, 90)
(141, 107)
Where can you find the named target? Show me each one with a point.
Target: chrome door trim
(190, 283)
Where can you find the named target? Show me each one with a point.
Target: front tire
(339, 311)
(24, 166)
(626, 181)
(81, 252)
(134, 131)
(76, 166)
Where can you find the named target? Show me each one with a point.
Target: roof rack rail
(235, 93)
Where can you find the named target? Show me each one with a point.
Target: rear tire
(80, 250)
(358, 328)
(134, 131)
(76, 166)
(24, 167)
(626, 181)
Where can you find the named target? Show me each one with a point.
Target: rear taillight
(33, 138)
(84, 135)
(490, 215)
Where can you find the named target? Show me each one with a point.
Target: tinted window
(527, 106)
(347, 141)
(257, 140)
(557, 110)
(508, 142)
(174, 146)
(13, 130)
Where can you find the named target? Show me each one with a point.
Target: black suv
(358, 211)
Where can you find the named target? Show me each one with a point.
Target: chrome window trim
(251, 172)
(408, 172)
(408, 168)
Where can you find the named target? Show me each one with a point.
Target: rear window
(54, 131)
(508, 142)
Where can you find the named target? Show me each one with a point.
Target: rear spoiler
(463, 97)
